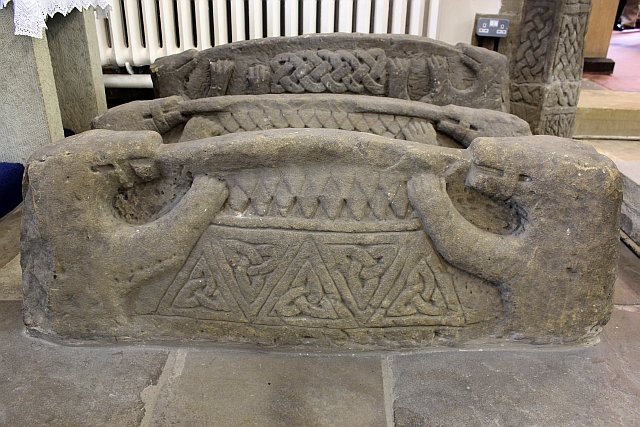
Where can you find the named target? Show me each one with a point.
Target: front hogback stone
(319, 237)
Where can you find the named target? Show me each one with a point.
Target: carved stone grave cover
(405, 67)
(179, 120)
(318, 236)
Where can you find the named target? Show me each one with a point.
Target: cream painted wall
(456, 18)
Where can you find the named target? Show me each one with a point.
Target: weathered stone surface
(546, 63)
(29, 111)
(405, 67)
(630, 214)
(179, 120)
(53, 385)
(319, 237)
(628, 280)
(75, 58)
(269, 389)
(626, 158)
(10, 273)
(595, 386)
(43, 384)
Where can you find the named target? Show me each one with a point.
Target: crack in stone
(171, 370)
(387, 389)
(633, 308)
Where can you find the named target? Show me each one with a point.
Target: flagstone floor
(49, 384)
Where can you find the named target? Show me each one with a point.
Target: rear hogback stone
(394, 66)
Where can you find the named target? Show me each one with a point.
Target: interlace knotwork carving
(357, 71)
(363, 268)
(389, 125)
(557, 123)
(306, 297)
(535, 36)
(567, 65)
(420, 296)
(302, 278)
(251, 264)
(201, 290)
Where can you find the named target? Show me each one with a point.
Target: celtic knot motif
(357, 71)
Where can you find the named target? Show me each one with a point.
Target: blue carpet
(10, 186)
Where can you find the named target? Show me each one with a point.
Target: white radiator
(136, 32)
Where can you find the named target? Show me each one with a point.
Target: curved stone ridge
(325, 238)
(395, 66)
(180, 120)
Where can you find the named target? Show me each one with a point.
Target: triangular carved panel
(423, 293)
(199, 289)
(363, 268)
(251, 269)
(306, 294)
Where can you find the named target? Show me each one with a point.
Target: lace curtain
(30, 15)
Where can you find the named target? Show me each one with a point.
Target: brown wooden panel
(603, 15)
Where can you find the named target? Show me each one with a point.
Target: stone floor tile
(54, 385)
(10, 236)
(619, 351)
(627, 290)
(269, 389)
(597, 385)
(11, 280)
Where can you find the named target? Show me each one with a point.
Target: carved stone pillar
(546, 64)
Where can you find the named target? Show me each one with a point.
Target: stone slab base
(608, 113)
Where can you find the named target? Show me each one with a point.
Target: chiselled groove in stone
(322, 225)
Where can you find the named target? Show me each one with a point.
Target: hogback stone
(318, 237)
(179, 120)
(395, 66)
